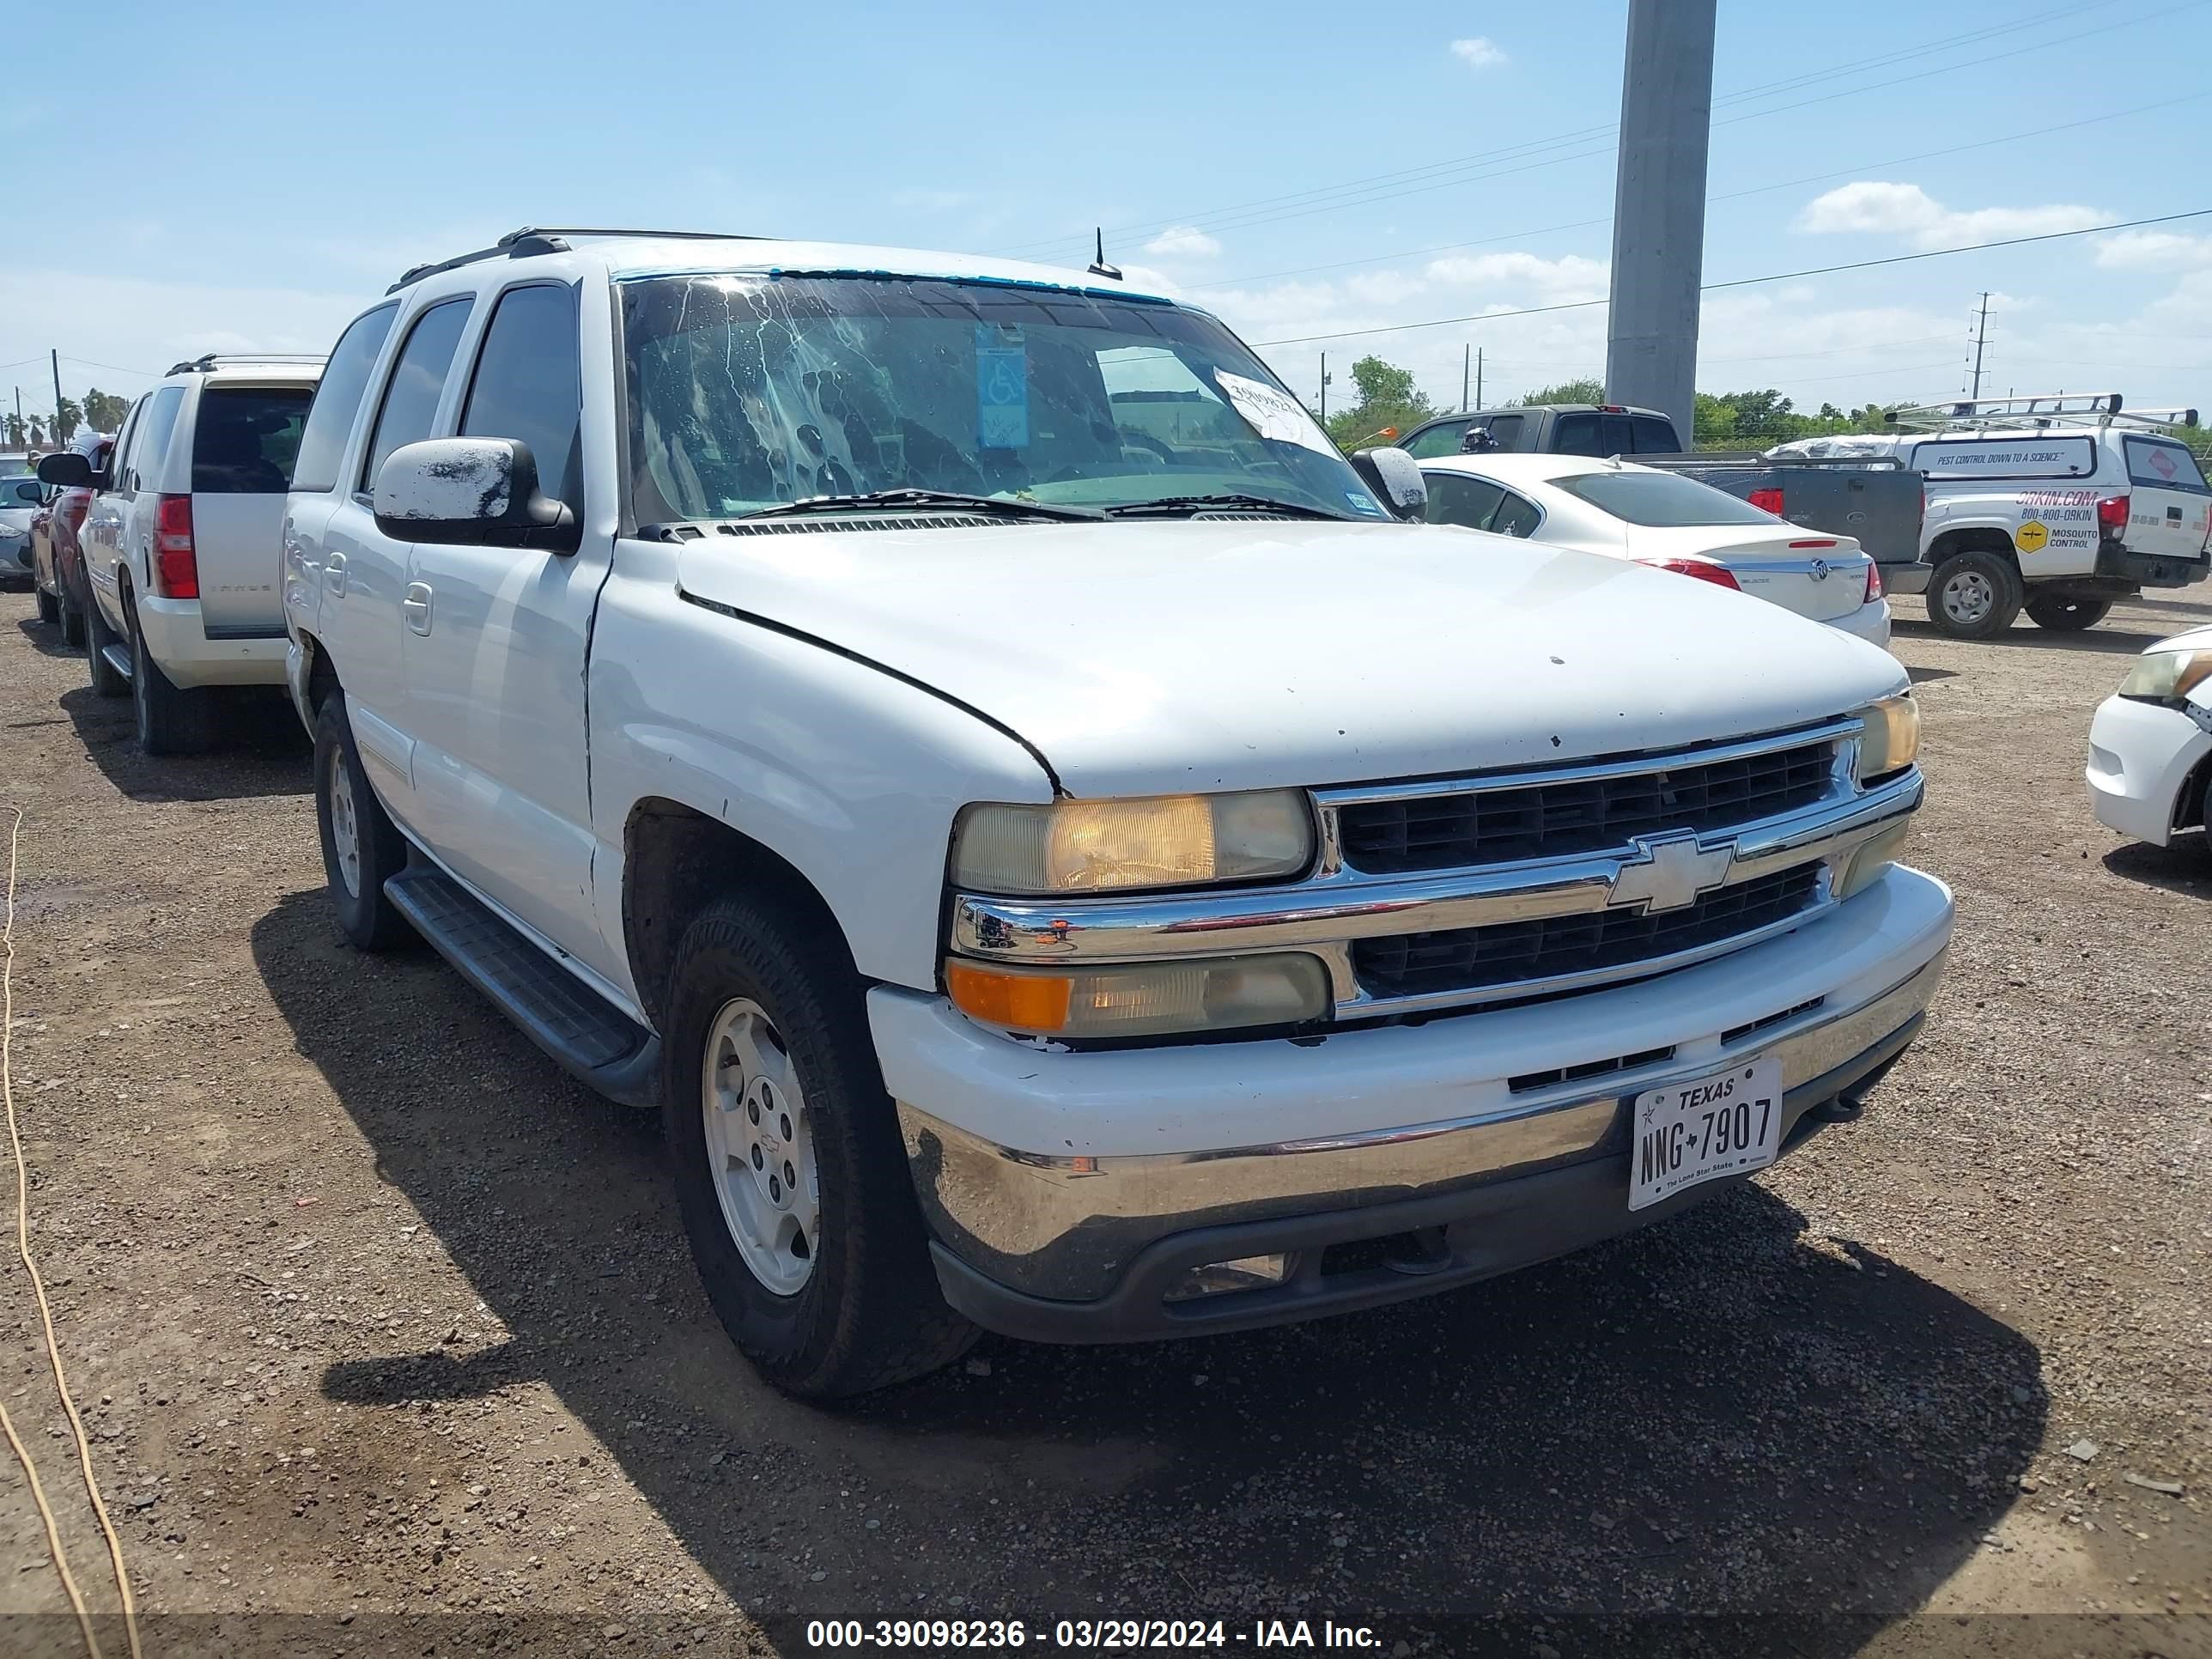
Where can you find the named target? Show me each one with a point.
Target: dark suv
(1597, 429)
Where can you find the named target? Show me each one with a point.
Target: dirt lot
(389, 1342)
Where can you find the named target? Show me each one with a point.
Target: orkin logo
(1669, 873)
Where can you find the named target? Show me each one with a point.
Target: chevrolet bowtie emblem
(1666, 875)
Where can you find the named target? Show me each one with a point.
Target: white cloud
(1907, 210)
(2153, 250)
(1480, 53)
(1183, 242)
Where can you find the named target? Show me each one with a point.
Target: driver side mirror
(31, 493)
(471, 490)
(1395, 478)
(68, 470)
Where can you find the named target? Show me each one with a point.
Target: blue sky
(249, 175)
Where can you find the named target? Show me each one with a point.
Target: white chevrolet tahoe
(2054, 505)
(1060, 853)
(180, 541)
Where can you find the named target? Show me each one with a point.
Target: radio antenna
(1098, 265)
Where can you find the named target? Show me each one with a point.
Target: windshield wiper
(999, 505)
(1169, 507)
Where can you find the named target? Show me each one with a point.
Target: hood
(1153, 658)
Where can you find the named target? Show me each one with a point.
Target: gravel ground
(388, 1339)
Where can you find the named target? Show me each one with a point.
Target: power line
(86, 362)
(1753, 281)
(1248, 214)
(1724, 196)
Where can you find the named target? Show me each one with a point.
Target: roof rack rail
(208, 360)
(533, 239)
(2047, 409)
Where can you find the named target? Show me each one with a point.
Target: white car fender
(849, 773)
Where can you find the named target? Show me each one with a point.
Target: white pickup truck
(2057, 505)
(1062, 855)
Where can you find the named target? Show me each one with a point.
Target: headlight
(1142, 999)
(1891, 741)
(1161, 840)
(2166, 676)
(1865, 863)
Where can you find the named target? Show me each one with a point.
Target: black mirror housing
(31, 493)
(478, 491)
(1395, 478)
(68, 469)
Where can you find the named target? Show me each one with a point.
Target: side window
(1506, 429)
(339, 399)
(1515, 516)
(528, 386)
(411, 397)
(1442, 439)
(151, 441)
(1576, 434)
(1455, 498)
(119, 455)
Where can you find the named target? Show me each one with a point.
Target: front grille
(1520, 952)
(1580, 815)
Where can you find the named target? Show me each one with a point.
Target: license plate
(1723, 1123)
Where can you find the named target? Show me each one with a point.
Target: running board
(591, 1038)
(118, 658)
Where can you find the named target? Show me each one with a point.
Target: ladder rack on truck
(2048, 409)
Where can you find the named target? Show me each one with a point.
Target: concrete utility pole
(1478, 378)
(1466, 364)
(1981, 335)
(56, 431)
(1659, 208)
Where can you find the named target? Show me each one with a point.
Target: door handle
(334, 578)
(416, 607)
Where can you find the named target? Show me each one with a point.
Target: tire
(350, 820)
(98, 635)
(72, 618)
(1974, 595)
(858, 1307)
(172, 721)
(2066, 615)
(50, 608)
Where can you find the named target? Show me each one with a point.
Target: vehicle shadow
(264, 750)
(2184, 868)
(1720, 1415)
(2104, 638)
(43, 638)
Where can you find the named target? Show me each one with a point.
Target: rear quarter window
(246, 437)
(2161, 464)
(338, 399)
(149, 448)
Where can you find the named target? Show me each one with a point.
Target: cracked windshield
(748, 392)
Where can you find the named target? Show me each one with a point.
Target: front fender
(849, 774)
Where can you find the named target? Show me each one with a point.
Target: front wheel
(2066, 615)
(50, 608)
(789, 1170)
(72, 617)
(362, 845)
(107, 680)
(1973, 595)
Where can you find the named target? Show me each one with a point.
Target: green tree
(67, 415)
(1567, 391)
(1389, 403)
(104, 410)
(15, 429)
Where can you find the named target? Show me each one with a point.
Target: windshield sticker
(1002, 388)
(1273, 415)
(1362, 502)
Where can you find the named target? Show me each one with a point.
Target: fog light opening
(1248, 1273)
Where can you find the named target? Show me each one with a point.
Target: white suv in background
(183, 541)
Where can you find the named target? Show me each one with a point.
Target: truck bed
(1877, 501)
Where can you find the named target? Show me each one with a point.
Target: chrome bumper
(1067, 1228)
